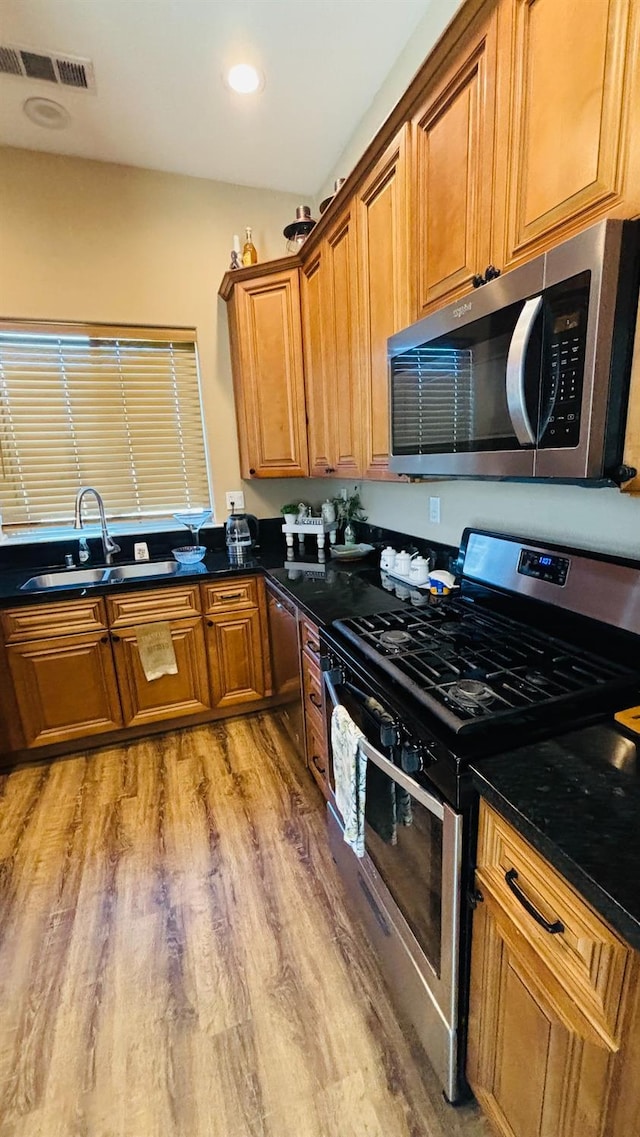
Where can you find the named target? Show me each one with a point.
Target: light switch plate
(235, 499)
(434, 510)
(141, 551)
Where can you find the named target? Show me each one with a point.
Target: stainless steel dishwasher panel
(285, 661)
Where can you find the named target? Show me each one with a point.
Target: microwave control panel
(563, 366)
(544, 566)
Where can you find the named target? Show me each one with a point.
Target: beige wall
(439, 13)
(83, 240)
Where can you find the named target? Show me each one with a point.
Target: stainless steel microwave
(528, 376)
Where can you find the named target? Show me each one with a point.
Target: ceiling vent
(65, 71)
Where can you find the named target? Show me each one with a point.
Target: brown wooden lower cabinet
(236, 663)
(170, 696)
(554, 1017)
(316, 744)
(65, 687)
(70, 669)
(317, 755)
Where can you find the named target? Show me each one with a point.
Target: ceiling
(160, 101)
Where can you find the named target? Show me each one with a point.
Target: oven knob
(411, 758)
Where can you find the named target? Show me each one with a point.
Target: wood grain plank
(177, 958)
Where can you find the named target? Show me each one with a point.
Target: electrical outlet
(344, 493)
(235, 499)
(141, 551)
(434, 510)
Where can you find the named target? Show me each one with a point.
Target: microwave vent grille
(432, 399)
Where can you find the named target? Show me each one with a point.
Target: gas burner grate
(472, 667)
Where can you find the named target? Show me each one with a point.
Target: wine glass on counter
(193, 519)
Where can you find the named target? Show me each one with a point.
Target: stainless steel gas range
(539, 639)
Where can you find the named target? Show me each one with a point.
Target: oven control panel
(544, 566)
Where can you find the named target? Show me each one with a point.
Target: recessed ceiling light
(244, 79)
(46, 112)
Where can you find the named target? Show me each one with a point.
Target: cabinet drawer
(172, 603)
(41, 621)
(585, 956)
(317, 756)
(310, 639)
(237, 593)
(312, 686)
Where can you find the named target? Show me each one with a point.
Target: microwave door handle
(516, 361)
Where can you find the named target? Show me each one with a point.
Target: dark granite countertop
(576, 799)
(325, 592)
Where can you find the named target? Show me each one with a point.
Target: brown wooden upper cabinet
(266, 357)
(331, 360)
(385, 293)
(566, 147)
(453, 152)
(520, 130)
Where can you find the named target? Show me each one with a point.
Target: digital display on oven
(544, 566)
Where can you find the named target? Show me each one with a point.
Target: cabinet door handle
(209, 623)
(329, 469)
(478, 280)
(316, 761)
(252, 470)
(232, 596)
(314, 648)
(104, 639)
(114, 638)
(491, 273)
(313, 698)
(557, 926)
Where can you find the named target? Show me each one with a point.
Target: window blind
(115, 408)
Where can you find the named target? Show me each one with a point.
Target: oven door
(407, 886)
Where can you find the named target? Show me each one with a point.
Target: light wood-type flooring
(177, 958)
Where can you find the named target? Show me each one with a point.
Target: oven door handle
(429, 801)
(389, 734)
(329, 682)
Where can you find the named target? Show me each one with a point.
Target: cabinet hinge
(474, 897)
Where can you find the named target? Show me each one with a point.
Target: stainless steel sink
(146, 568)
(81, 578)
(69, 578)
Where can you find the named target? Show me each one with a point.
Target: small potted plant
(290, 512)
(348, 510)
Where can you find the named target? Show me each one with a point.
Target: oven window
(404, 841)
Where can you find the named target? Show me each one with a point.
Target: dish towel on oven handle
(350, 776)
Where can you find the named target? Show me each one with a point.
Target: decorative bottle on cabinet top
(249, 252)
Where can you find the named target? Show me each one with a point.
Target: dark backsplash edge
(52, 553)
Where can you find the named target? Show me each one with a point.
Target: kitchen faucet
(109, 547)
